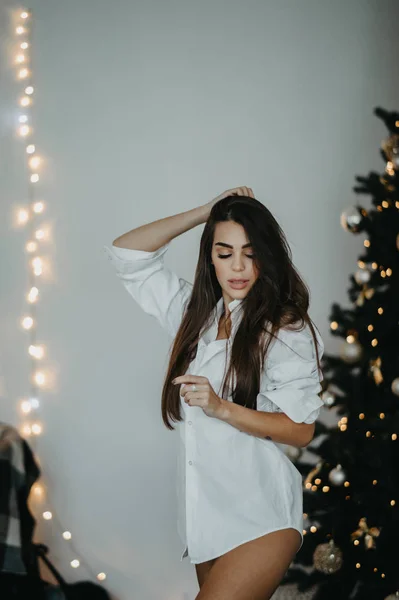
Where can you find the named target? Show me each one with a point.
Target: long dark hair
(278, 298)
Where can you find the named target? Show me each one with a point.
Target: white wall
(144, 110)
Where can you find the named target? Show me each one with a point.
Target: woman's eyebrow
(229, 246)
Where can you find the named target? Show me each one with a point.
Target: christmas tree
(351, 494)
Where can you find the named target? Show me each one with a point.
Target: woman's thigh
(203, 570)
(253, 570)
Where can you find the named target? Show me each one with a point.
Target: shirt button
(190, 462)
(189, 422)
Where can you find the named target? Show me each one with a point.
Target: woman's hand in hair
(237, 191)
(204, 396)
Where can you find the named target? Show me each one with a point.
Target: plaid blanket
(18, 472)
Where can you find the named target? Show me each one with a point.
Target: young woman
(243, 377)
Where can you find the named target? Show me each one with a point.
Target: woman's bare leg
(252, 570)
(203, 570)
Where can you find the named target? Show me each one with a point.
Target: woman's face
(232, 259)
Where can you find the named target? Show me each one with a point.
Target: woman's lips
(238, 285)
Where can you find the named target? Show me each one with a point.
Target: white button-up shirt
(232, 487)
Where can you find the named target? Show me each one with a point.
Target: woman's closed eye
(227, 255)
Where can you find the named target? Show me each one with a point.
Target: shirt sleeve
(291, 381)
(157, 289)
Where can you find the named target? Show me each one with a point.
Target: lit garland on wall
(31, 426)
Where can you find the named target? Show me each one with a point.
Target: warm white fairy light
(31, 247)
(24, 130)
(36, 351)
(34, 162)
(28, 407)
(27, 322)
(39, 378)
(23, 216)
(37, 429)
(33, 294)
(38, 207)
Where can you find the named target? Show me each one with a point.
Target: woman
(243, 377)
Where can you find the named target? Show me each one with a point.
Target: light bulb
(40, 234)
(26, 407)
(23, 216)
(23, 73)
(33, 294)
(26, 430)
(27, 322)
(20, 58)
(34, 178)
(37, 429)
(67, 535)
(38, 207)
(34, 402)
(24, 130)
(24, 15)
(36, 351)
(75, 564)
(39, 378)
(23, 118)
(47, 515)
(25, 101)
(101, 576)
(30, 149)
(24, 45)
(31, 246)
(29, 90)
(34, 162)
(20, 30)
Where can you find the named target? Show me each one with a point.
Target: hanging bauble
(369, 533)
(351, 352)
(328, 397)
(337, 475)
(395, 386)
(293, 452)
(375, 368)
(364, 294)
(327, 558)
(351, 219)
(362, 276)
(391, 149)
(394, 596)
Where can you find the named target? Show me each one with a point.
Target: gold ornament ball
(328, 558)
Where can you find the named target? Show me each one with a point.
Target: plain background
(142, 110)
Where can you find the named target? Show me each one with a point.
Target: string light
(31, 425)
